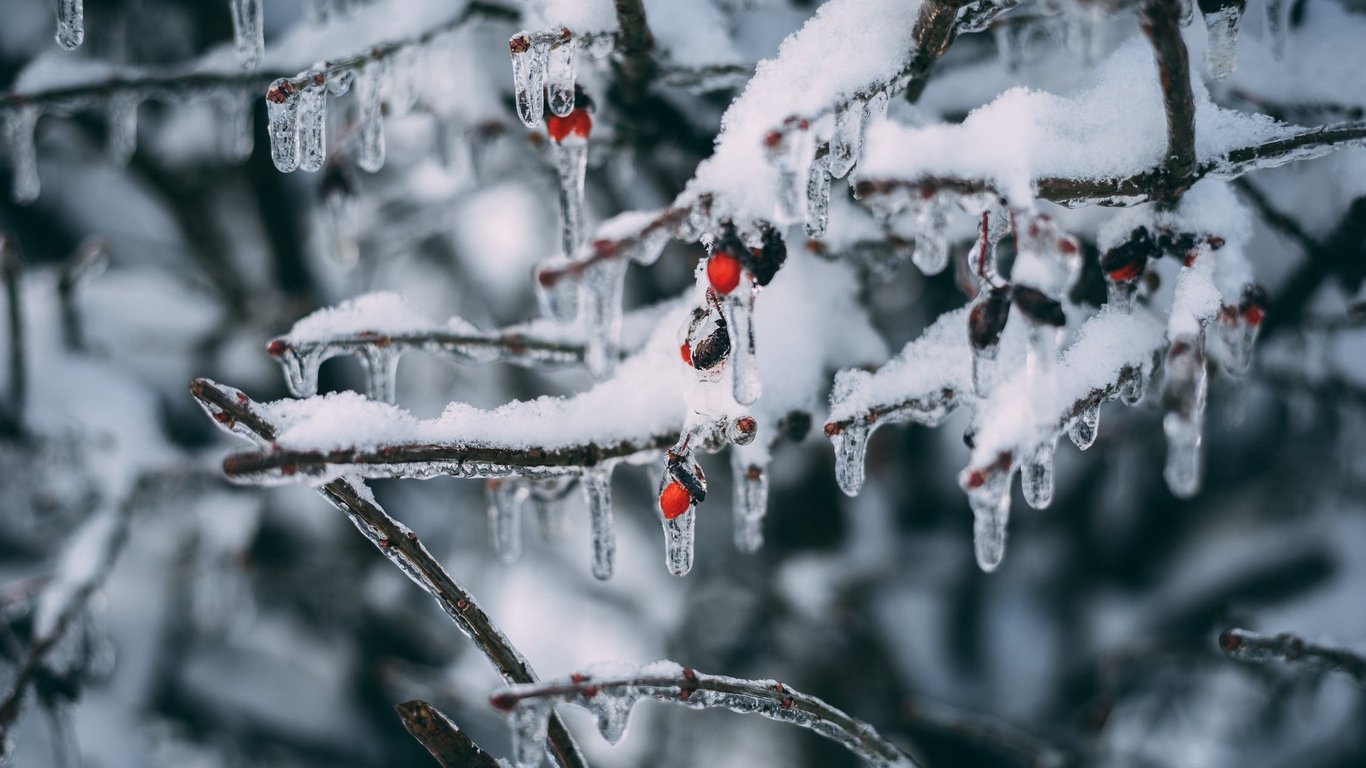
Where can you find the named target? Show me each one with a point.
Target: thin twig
(449, 745)
(1245, 645)
(11, 272)
(502, 346)
(933, 34)
(87, 262)
(989, 732)
(235, 412)
(636, 45)
(698, 690)
(1161, 23)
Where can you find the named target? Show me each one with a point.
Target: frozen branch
(612, 697)
(636, 44)
(236, 413)
(11, 272)
(449, 745)
(1161, 23)
(934, 31)
(1244, 645)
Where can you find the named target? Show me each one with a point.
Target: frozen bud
(687, 472)
(765, 261)
(795, 425)
(713, 349)
(1126, 261)
(1038, 306)
(988, 318)
(1253, 306)
(742, 430)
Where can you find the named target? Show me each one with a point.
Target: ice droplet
(370, 152)
(529, 54)
(601, 308)
(745, 384)
(1278, 25)
(1182, 470)
(990, 501)
(19, 124)
(381, 372)
(301, 371)
(237, 138)
(70, 23)
(506, 497)
(818, 193)
(312, 120)
(851, 443)
(597, 491)
(571, 163)
(613, 710)
(750, 502)
(679, 539)
(559, 74)
(845, 142)
(1184, 390)
(931, 216)
(528, 722)
(123, 126)
(1036, 477)
(282, 118)
(248, 33)
(1221, 52)
(1085, 426)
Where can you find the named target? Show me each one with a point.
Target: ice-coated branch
(449, 745)
(11, 273)
(159, 84)
(636, 45)
(236, 413)
(612, 697)
(934, 31)
(1161, 23)
(1245, 645)
(990, 733)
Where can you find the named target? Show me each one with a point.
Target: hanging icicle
(569, 133)
(237, 136)
(597, 491)
(282, 122)
(19, 124)
(370, 149)
(70, 23)
(530, 53)
(248, 31)
(123, 126)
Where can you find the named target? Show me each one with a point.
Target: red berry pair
(577, 123)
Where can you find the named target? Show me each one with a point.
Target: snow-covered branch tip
(447, 744)
(234, 412)
(612, 696)
(1244, 645)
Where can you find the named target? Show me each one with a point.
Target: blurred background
(245, 626)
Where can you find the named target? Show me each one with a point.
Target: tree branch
(1161, 23)
(11, 272)
(451, 747)
(698, 690)
(236, 413)
(1244, 645)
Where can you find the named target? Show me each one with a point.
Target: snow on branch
(1245, 645)
(611, 697)
(236, 413)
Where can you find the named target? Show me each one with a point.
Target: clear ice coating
(983, 368)
(571, 164)
(237, 138)
(678, 541)
(282, 120)
(1085, 426)
(745, 384)
(248, 33)
(1184, 391)
(597, 491)
(1278, 25)
(381, 372)
(600, 299)
(1133, 387)
(370, 150)
(990, 501)
(851, 444)
(506, 497)
(301, 371)
(312, 122)
(123, 125)
(19, 124)
(931, 218)
(529, 58)
(1239, 338)
(613, 710)
(750, 502)
(1036, 476)
(818, 193)
(70, 23)
(528, 722)
(845, 142)
(1221, 52)
(559, 74)
(558, 295)
(341, 228)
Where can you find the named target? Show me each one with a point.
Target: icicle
(506, 497)
(750, 502)
(559, 73)
(557, 294)
(312, 118)
(851, 444)
(679, 541)
(931, 216)
(571, 163)
(845, 141)
(237, 137)
(547, 497)
(613, 710)
(1183, 393)
(370, 153)
(70, 23)
(405, 70)
(1036, 477)
(818, 193)
(986, 321)
(1085, 426)
(1221, 28)
(989, 495)
(1012, 44)
(745, 383)
(781, 149)
(341, 220)
(282, 112)
(529, 54)
(597, 490)
(123, 126)
(381, 371)
(601, 298)
(528, 721)
(1133, 387)
(20, 123)
(1239, 326)
(301, 371)
(1278, 25)
(708, 343)
(248, 32)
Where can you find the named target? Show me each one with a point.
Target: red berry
(685, 352)
(276, 347)
(578, 123)
(723, 270)
(1253, 314)
(674, 500)
(1127, 272)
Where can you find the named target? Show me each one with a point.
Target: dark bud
(731, 243)
(1208, 7)
(712, 350)
(582, 100)
(764, 262)
(988, 318)
(795, 425)
(1037, 306)
(1254, 303)
(1127, 260)
(689, 475)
